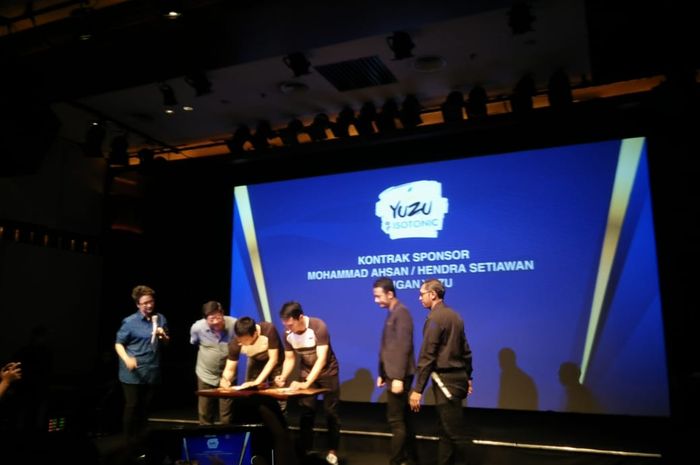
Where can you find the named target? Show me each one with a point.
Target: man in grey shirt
(212, 335)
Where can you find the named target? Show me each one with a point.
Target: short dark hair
(291, 309)
(436, 286)
(244, 326)
(212, 307)
(140, 291)
(385, 283)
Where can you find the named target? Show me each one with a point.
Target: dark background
(63, 301)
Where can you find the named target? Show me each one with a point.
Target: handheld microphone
(154, 322)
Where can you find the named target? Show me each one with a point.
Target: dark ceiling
(133, 45)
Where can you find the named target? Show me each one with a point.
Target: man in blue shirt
(138, 344)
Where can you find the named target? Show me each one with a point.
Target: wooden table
(277, 393)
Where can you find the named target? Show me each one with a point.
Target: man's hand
(414, 400)
(380, 382)
(397, 386)
(279, 381)
(298, 385)
(131, 363)
(224, 383)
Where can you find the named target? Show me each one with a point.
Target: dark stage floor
(501, 437)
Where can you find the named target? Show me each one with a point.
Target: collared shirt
(304, 344)
(135, 335)
(444, 348)
(213, 348)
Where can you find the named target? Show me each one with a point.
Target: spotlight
(199, 82)
(118, 154)
(317, 129)
(401, 44)
(94, 138)
(363, 123)
(476, 104)
(341, 127)
(170, 9)
(169, 99)
(290, 133)
(452, 107)
(559, 90)
(409, 115)
(263, 132)
(523, 92)
(240, 137)
(386, 120)
(298, 63)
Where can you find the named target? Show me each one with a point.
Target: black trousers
(455, 441)
(330, 406)
(137, 405)
(398, 415)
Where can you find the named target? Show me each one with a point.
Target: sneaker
(332, 458)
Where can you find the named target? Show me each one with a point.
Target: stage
(500, 437)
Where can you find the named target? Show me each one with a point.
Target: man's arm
(229, 374)
(321, 357)
(426, 364)
(10, 373)
(273, 355)
(128, 360)
(290, 359)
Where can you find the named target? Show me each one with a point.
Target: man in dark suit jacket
(396, 369)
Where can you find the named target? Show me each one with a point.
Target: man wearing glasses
(445, 357)
(138, 344)
(212, 335)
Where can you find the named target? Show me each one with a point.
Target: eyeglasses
(424, 292)
(147, 302)
(214, 318)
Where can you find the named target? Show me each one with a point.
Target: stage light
(476, 103)
(240, 137)
(170, 9)
(298, 63)
(341, 127)
(386, 120)
(199, 82)
(118, 154)
(317, 129)
(401, 44)
(263, 132)
(169, 100)
(409, 115)
(523, 92)
(453, 107)
(94, 138)
(363, 123)
(559, 90)
(289, 135)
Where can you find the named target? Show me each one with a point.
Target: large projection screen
(549, 255)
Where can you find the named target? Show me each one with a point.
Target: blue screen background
(547, 207)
